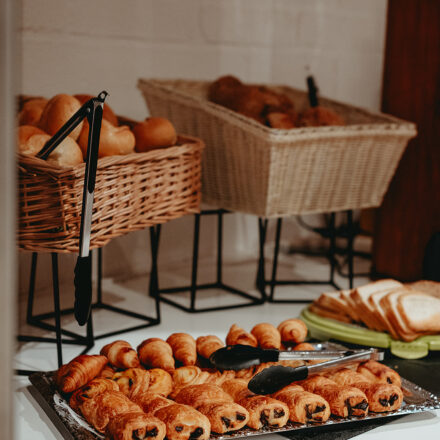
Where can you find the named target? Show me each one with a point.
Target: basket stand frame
(88, 341)
(194, 287)
(262, 282)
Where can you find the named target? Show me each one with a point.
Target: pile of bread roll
(406, 312)
(273, 109)
(39, 119)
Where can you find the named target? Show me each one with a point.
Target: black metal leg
(218, 284)
(350, 239)
(56, 302)
(275, 257)
(99, 280)
(154, 281)
(261, 278)
(31, 291)
(332, 248)
(219, 246)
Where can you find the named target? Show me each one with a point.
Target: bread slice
(374, 301)
(361, 295)
(351, 306)
(419, 311)
(333, 301)
(425, 286)
(389, 304)
(326, 313)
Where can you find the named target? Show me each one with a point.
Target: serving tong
(92, 110)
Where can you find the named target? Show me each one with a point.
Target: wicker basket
(132, 192)
(251, 168)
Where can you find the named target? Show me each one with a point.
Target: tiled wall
(85, 46)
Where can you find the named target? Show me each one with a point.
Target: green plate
(326, 328)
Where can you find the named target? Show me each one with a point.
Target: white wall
(85, 46)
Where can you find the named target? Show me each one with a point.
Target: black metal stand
(331, 255)
(218, 284)
(73, 338)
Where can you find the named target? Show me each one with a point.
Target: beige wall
(86, 46)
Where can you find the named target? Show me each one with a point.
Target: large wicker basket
(132, 192)
(251, 168)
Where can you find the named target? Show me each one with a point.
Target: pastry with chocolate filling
(96, 386)
(377, 372)
(304, 407)
(344, 401)
(161, 382)
(135, 426)
(133, 381)
(263, 410)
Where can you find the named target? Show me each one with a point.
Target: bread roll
(57, 112)
(107, 114)
(31, 111)
(154, 133)
(113, 140)
(31, 140)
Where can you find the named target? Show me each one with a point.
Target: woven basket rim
(394, 126)
(188, 142)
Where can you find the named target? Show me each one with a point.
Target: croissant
(267, 336)
(184, 423)
(237, 335)
(381, 397)
(107, 372)
(93, 388)
(184, 348)
(303, 346)
(206, 345)
(135, 425)
(378, 372)
(304, 407)
(104, 407)
(79, 371)
(155, 352)
(344, 401)
(161, 382)
(121, 354)
(293, 330)
(263, 410)
(133, 381)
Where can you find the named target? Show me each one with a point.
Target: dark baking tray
(73, 426)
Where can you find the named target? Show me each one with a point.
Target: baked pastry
(381, 397)
(377, 372)
(293, 330)
(135, 425)
(121, 354)
(107, 113)
(161, 382)
(57, 112)
(184, 348)
(154, 352)
(223, 90)
(206, 345)
(184, 423)
(344, 401)
(303, 346)
(112, 141)
(151, 402)
(280, 120)
(237, 335)
(194, 395)
(79, 371)
(107, 372)
(189, 375)
(267, 336)
(224, 416)
(104, 407)
(263, 410)
(31, 111)
(96, 386)
(319, 116)
(133, 381)
(32, 139)
(154, 133)
(304, 407)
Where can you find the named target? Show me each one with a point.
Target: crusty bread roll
(113, 140)
(107, 114)
(31, 140)
(154, 133)
(57, 112)
(31, 111)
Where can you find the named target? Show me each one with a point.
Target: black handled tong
(92, 110)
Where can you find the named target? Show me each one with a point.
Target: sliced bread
(351, 306)
(333, 301)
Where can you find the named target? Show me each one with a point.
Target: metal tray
(73, 426)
